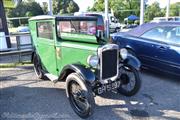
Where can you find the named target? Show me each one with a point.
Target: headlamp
(93, 61)
(123, 53)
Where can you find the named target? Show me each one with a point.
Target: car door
(46, 45)
(169, 54)
(166, 55)
(151, 42)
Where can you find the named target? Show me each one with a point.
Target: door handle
(162, 47)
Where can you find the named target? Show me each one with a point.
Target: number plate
(108, 87)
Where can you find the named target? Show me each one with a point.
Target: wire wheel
(130, 80)
(80, 95)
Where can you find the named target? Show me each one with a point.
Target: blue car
(157, 45)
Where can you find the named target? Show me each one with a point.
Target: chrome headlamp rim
(123, 52)
(93, 61)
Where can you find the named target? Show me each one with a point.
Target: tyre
(130, 80)
(38, 67)
(80, 95)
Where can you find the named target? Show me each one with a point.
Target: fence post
(18, 47)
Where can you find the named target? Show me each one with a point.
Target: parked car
(23, 29)
(69, 48)
(157, 45)
(163, 19)
(128, 28)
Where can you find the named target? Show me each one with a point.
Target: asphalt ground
(24, 97)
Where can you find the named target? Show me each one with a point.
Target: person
(83, 27)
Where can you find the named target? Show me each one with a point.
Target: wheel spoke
(78, 97)
(131, 78)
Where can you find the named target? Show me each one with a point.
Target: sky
(83, 4)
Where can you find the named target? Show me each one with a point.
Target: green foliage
(175, 9)
(64, 7)
(25, 9)
(124, 8)
(153, 11)
(121, 8)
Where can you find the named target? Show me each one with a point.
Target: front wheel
(130, 80)
(80, 95)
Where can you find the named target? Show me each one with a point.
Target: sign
(11, 3)
(3, 43)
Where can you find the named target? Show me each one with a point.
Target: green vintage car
(71, 48)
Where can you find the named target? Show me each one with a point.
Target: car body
(70, 48)
(23, 29)
(157, 45)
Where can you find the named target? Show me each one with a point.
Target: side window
(173, 35)
(155, 34)
(45, 30)
(77, 27)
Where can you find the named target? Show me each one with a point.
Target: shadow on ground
(29, 98)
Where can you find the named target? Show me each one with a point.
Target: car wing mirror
(100, 34)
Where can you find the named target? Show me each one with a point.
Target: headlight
(123, 53)
(93, 61)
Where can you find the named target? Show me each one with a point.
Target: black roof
(76, 18)
(138, 31)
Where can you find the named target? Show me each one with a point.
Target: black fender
(32, 56)
(33, 53)
(86, 74)
(133, 61)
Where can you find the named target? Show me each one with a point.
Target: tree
(121, 8)
(64, 7)
(152, 11)
(175, 9)
(25, 9)
(45, 8)
(30, 7)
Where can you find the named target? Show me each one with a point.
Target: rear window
(45, 30)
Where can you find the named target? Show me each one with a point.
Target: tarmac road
(24, 97)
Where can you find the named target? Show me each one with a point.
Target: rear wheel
(130, 80)
(38, 67)
(80, 95)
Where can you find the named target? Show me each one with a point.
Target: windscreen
(76, 27)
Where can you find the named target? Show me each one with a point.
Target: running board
(52, 77)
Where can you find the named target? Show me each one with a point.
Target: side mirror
(112, 20)
(100, 34)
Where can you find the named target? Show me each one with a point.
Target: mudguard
(133, 61)
(81, 70)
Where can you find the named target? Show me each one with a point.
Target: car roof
(138, 31)
(48, 17)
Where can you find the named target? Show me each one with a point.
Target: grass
(13, 65)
